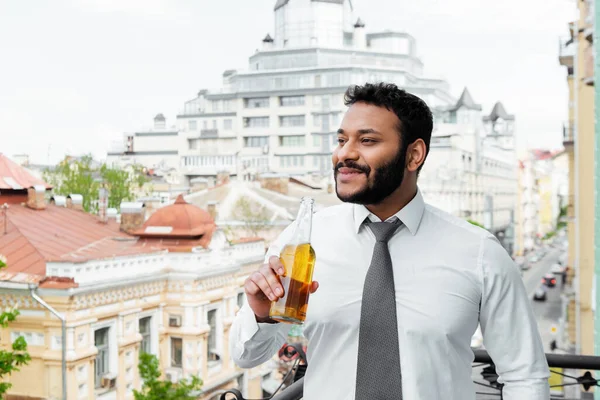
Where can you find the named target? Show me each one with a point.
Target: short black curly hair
(416, 120)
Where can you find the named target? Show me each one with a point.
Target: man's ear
(415, 155)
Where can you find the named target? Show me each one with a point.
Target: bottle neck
(304, 221)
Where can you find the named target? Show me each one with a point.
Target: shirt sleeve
(509, 328)
(252, 343)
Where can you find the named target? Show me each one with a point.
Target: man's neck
(394, 202)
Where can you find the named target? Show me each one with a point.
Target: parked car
(549, 280)
(534, 258)
(540, 293)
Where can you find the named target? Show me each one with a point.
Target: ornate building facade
(94, 295)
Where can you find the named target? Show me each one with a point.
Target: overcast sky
(74, 74)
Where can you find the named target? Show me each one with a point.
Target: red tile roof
(58, 234)
(16, 175)
(184, 220)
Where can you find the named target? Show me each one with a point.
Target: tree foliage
(11, 360)
(156, 389)
(254, 217)
(475, 223)
(82, 176)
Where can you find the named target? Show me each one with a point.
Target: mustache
(351, 164)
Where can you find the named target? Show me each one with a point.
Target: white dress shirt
(449, 276)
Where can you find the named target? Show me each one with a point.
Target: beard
(382, 183)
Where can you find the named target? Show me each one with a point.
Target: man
(394, 309)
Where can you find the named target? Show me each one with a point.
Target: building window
(256, 122)
(214, 124)
(334, 79)
(256, 102)
(292, 141)
(452, 117)
(192, 125)
(228, 124)
(193, 144)
(228, 105)
(213, 354)
(101, 365)
(204, 124)
(292, 120)
(145, 328)
(291, 161)
(176, 352)
(316, 140)
(240, 299)
(317, 81)
(291, 101)
(256, 141)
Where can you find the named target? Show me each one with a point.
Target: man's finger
(276, 265)
(314, 286)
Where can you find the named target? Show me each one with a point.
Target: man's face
(369, 161)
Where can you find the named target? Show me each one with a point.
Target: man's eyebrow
(360, 131)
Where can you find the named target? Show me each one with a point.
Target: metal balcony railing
(294, 391)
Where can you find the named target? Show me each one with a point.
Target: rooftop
(15, 177)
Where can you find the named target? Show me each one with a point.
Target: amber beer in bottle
(298, 259)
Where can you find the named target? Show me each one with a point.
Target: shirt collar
(410, 215)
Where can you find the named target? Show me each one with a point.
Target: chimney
(211, 207)
(360, 35)
(160, 123)
(103, 204)
(59, 201)
(132, 216)
(275, 182)
(222, 178)
(35, 197)
(75, 202)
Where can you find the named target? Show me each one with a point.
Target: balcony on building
(566, 53)
(568, 134)
(209, 133)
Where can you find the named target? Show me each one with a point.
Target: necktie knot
(384, 231)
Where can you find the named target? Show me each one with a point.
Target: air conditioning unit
(175, 321)
(109, 381)
(173, 375)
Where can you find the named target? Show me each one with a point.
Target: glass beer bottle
(298, 259)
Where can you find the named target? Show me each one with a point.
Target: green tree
(475, 223)
(75, 176)
(80, 176)
(254, 217)
(156, 389)
(11, 360)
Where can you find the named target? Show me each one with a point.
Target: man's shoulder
(452, 225)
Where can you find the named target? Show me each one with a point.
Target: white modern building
(471, 170)
(281, 113)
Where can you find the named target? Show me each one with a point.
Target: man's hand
(264, 287)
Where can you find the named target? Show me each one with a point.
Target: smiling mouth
(349, 171)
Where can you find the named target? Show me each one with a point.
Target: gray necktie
(378, 375)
